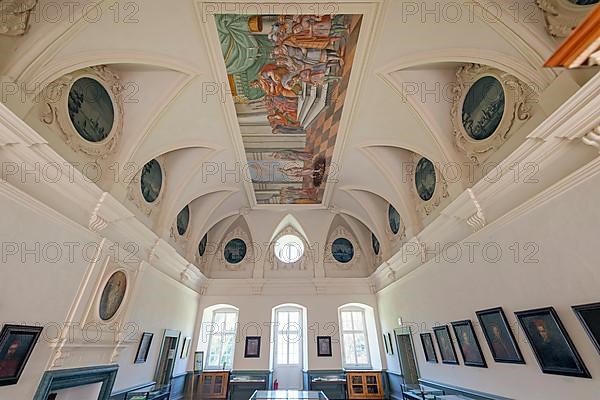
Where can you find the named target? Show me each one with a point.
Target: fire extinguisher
(275, 385)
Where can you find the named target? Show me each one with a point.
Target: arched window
(219, 329)
(355, 343)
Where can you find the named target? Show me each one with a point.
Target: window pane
(360, 343)
(227, 356)
(349, 348)
(357, 318)
(282, 320)
(214, 352)
(281, 349)
(346, 320)
(230, 322)
(294, 352)
(219, 321)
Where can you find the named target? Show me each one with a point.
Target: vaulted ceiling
(177, 107)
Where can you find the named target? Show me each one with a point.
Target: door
(288, 354)
(406, 355)
(167, 357)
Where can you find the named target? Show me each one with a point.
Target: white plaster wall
(566, 273)
(322, 320)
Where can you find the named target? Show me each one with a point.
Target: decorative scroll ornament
(517, 106)
(15, 16)
(54, 100)
(562, 16)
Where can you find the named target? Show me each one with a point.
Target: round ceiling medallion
(289, 249)
(235, 251)
(183, 220)
(375, 244)
(202, 245)
(483, 108)
(151, 181)
(342, 250)
(113, 295)
(393, 219)
(91, 110)
(425, 179)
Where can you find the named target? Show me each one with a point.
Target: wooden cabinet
(213, 384)
(364, 385)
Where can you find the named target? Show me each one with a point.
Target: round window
(289, 249)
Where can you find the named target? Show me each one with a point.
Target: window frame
(355, 366)
(223, 334)
(298, 342)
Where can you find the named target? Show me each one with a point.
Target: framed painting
(16, 345)
(342, 250)
(444, 341)
(387, 350)
(113, 295)
(252, 349)
(324, 346)
(551, 343)
(468, 344)
(144, 348)
(198, 361)
(393, 219)
(428, 347)
(499, 336)
(235, 251)
(589, 316)
(389, 335)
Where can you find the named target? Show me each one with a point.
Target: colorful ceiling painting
(288, 76)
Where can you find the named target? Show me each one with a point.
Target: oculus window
(289, 249)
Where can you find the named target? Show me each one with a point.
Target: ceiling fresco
(288, 75)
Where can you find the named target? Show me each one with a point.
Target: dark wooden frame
(582, 372)
(248, 354)
(186, 342)
(144, 357)
(468, 324)
(328, 339)
(437, 329)
(500, 311)
(430, 338)
(391, 343)
(588, 307)
(7, 331)
(196, 361)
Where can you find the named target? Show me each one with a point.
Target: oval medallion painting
(151, 181)
(393, 219)
(183, 220)
(91, 110)
(483, 108)
(425, 179)
(202, 245)
(235, 251)
(375, 244)
(112, 295)
(342, 250)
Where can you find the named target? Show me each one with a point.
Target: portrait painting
(324, 346)
(198, 361)
(91, 109)
(385, 342)
(551, 343)
(289, 75)
(393, 219)
(16, 345)
(235, 251)
(375, 244)
(113, 295)
(389, 335)
(183, 220)
(589, 316)
(151, 181)
(144, 348)
(445, 345)
(252, 349)
(468, 344)
(425, 179)
(483, 108)
(342, 250)
(499, 336)
(428, 347)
